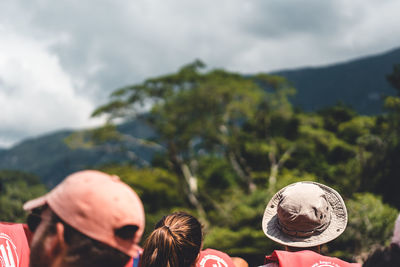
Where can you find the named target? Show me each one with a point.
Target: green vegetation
(15, 189)
(222, 144)
(371, 223)
(231, 141)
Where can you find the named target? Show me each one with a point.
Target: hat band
(298, 233)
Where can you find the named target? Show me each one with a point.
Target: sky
(59, 60)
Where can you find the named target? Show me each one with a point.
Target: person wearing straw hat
(91, 219)
(302, 217)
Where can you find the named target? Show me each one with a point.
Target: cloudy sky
(60, 59)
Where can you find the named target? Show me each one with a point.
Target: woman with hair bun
(175, 242)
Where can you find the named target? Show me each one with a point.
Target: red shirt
(306, 258)
(211, 257)
(14, 247)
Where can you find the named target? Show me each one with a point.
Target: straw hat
(305, 214)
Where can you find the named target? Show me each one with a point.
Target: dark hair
(384, 257)
(84, 251)
(175, 242)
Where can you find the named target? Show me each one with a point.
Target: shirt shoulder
(272, 264)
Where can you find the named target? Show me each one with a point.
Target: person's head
(305, 215)
(384, 257)
(175, 242)
(396, 232)
(90, 219)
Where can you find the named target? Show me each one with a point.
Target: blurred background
(208, 107)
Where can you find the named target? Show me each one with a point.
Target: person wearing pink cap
(91, 219)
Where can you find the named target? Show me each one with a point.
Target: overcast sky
(60, 59)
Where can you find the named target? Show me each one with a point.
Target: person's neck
(294, 249)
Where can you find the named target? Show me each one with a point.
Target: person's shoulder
(213, 257)
(15, 230)
(10, 225)
(272, 264)
(14, 238)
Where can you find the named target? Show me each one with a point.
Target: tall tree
(197, 112)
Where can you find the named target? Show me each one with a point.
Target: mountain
(359, 83)
(51, 158)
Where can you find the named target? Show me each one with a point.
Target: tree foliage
(382, 172)
(16, 188)
(197, 113)
(231, 141)
(226, 142)
(370, 224)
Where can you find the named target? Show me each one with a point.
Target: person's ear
(60, 233)
(55, 244)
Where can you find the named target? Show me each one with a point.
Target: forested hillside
(360, 84)
(230, 144)
(56, 155)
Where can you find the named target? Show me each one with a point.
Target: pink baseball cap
(211, 257)
(97, 204)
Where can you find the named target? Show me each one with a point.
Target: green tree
(16, 188)
(197, 113)
(268, 138)
(370, 224)
(157, 188)
(324, 152)
(231, 141)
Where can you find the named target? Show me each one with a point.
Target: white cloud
(36, 94)
(292, 33)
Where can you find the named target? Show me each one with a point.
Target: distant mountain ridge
(360, 83)
(50, 157)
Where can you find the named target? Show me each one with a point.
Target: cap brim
(35, 203)
(336, 227)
